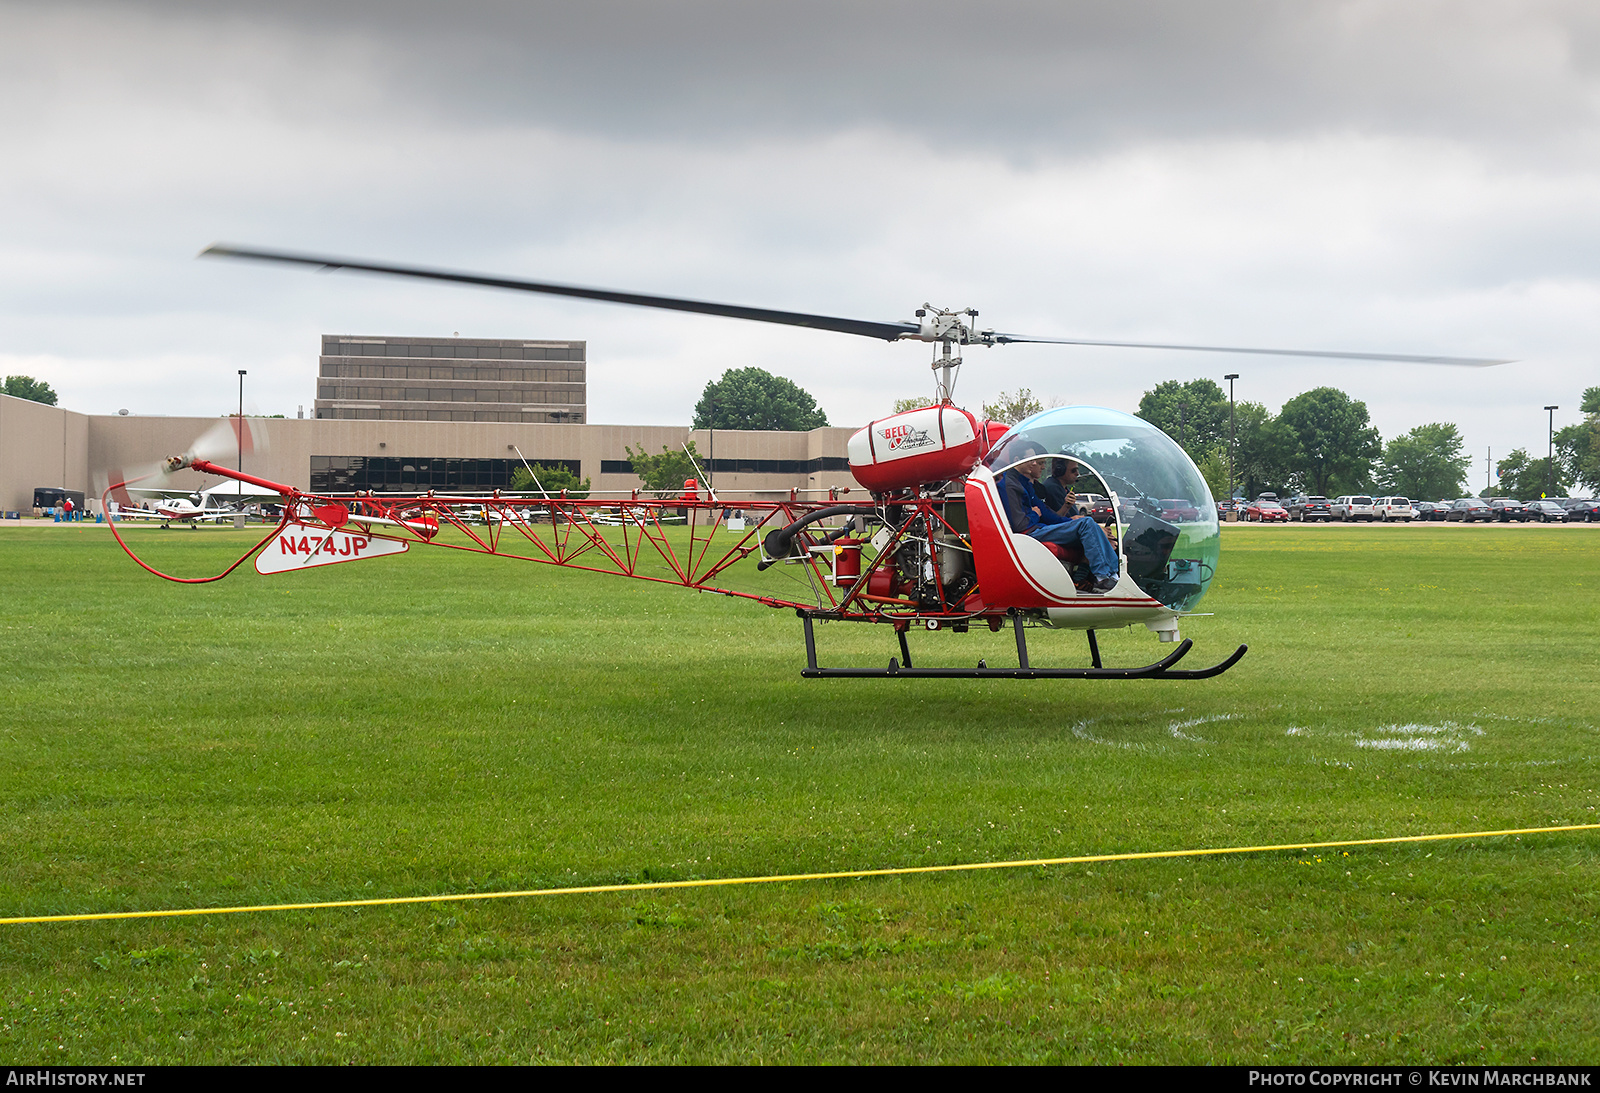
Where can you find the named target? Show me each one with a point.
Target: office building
(451, 379)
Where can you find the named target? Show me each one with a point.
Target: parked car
(1468, 509)
(1430, 510)
(1586, 509)
(1179, 510)
(1394, 508)
(1267, 512)
(1353, 506)
(1507, 510)
(1546, 512)
(1101, 509)
(1308, 507)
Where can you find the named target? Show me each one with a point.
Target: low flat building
(50, 446)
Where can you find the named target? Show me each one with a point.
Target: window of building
(412, 474)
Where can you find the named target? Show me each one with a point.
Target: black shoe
(1104, 585)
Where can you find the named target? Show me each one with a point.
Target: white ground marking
(1448, 737)
(1177, 727)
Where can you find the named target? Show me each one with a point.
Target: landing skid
(903, 669)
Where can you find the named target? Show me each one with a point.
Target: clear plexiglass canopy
(1171, 548)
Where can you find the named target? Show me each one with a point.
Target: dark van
(48, 497)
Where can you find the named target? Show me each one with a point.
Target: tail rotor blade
(226, 439)
(120, 480)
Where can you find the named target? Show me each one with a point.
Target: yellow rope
(648, 886)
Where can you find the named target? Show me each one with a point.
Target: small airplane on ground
(189, 509)
(222, 501)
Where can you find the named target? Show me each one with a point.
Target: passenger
(1060, 488)
(1030, 514)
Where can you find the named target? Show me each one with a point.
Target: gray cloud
(1031, 77)
(1419, 177)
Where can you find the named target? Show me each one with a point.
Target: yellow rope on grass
(851, 874)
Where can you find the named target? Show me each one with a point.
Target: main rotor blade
(1469, 362)
(886, 331)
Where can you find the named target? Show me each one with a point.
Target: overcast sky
(1412, 177)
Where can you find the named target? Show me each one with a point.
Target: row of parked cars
(1311, 508)
(1505, 510)
(1179, 510)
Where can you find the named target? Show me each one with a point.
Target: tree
(665, 473)
(1195, 414)
(901, 405)
(1427, 463)
(1330, 440)
(1260, 457)
(1214, 469)
(553, 479)
(751, 398)
(1525, 478)
(1578, 446)
(1578, 452)
(1013, 408)
(31, 389)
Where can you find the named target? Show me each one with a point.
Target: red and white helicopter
(929, 548)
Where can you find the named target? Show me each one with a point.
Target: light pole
(239, 425)
(711, 464)
(1230, 377)
(1550, 456)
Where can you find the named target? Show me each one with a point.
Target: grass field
(442, 723)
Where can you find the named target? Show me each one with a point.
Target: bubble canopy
(1166, 515)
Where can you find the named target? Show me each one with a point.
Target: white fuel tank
(931, 444)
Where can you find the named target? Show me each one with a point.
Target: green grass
(443, 723)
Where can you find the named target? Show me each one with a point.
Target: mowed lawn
(439, 723)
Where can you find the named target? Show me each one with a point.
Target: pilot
(1031, 515)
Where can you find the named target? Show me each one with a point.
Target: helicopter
(931, 548)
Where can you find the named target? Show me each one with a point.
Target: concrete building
(40, 446)
(49, 446)
(451, 379)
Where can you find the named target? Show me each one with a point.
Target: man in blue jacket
(1029, 514)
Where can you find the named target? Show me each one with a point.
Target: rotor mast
(949, 328)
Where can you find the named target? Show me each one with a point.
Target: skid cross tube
(1161, 669)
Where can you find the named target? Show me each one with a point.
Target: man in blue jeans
(1031, 515)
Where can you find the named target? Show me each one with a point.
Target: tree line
(1322, 442)
(31, 389)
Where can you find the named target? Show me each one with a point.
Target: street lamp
(239, 425)
(711, 465)
(1550, 456)
(1230, 377)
